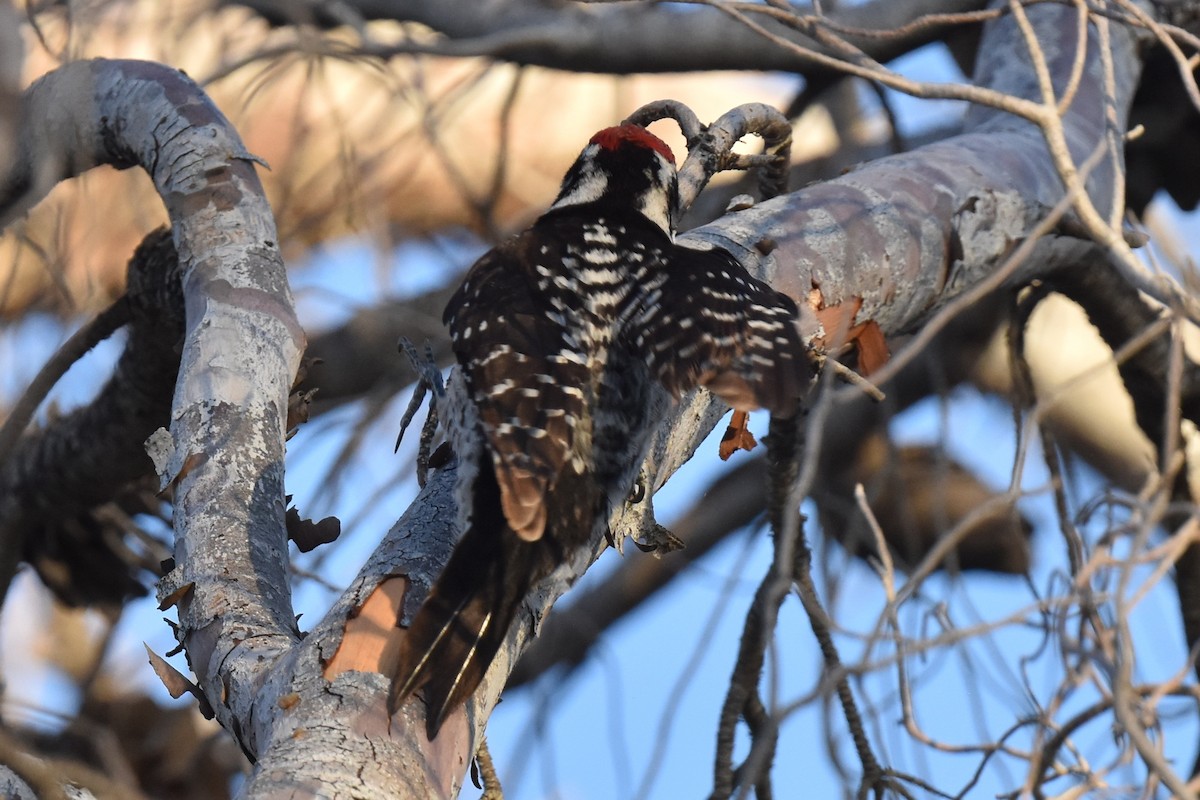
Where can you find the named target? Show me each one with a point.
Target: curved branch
(224, 454)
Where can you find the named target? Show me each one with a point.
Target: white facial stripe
(655, 203)
(590, 187)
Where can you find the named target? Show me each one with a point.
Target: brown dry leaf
(299, 404)
(841, 326)
(872, 347)
(174, 597)
(737, 436)
(309, 535)
(838, 321)
(176, 683)
(306, 365)
(167, 751)
(917, 493)
(194, 461)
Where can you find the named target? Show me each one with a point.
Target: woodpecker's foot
(659, 541)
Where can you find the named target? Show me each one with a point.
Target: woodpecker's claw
(659, 541)
(429, 378)
(637, 492)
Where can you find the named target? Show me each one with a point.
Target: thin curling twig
(776, 133)
(105, 324)
(710, 146)
(713, 152)
(689, 123)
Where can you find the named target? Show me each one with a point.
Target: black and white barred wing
(523, 377)
(703, 320)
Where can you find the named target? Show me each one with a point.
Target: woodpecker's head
(625, 167)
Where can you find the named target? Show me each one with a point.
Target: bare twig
(105, 324)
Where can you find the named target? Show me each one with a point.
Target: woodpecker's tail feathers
(452, 641)
(457, 632)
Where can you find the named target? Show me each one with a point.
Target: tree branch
(224, 455)
(623, 38)
(53, 479)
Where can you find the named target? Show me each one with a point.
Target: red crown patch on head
(611, 139)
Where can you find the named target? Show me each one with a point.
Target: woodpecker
(564, 336)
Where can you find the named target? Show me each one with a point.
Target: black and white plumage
(562, 335)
